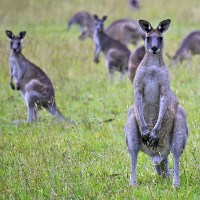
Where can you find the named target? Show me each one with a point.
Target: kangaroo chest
(151, 95)
(151, 88)
(14, 66)
(96, 39)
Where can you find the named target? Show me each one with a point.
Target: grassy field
(50, 160)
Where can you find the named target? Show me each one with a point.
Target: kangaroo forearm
(139, 107)
(164, 100)
(21, 73)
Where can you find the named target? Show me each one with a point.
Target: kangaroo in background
(115, 53)
(126, 31)
(85, 22)
(133, 4)
(134, 60)
(190, 46)
(156, 123)
(33, 83)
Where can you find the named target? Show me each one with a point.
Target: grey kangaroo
(126, 31)
(85, 22)
(134, 4)
(33, 83)
(116, 54)
(190, 46)
(134, 60)
(156, 123)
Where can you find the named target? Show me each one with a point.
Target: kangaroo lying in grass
(134, 60)
(156, 123)
(190, 46)
(33, 83)
(116, 54)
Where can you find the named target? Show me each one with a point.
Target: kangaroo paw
(154, 140)
(145, 139)
(12, 86)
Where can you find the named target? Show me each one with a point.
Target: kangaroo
(126, 31)
(190, 46)
(134, 60)
(133, 4)
(115, 53)
(33, 83)
(156, 123)
(86, 23)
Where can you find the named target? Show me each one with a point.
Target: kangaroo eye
(160, 38)
(11, 43)
(18, 43)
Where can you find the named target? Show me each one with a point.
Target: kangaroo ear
(145, 26)
(164, 25)
(104, 18)
(95, 17)
(9, 34)
(21, 35)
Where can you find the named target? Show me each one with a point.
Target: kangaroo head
(154, 42)
(99, 23)
(16, 41)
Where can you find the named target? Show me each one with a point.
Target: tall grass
(50, 160)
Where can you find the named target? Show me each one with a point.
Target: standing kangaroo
(156, 123)
(33, 83)
(85, 22)
(116, 54)
(190, 46)
(134, 60)
(126, 31)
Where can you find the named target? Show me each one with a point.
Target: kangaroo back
(126, 31)
(188, 47)
(134, 60)
(85, 22)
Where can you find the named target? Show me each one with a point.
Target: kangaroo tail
(54, 111)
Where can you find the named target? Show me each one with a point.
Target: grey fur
(115, 53)
(134, 60)
(190, 46)
(127, 31)
(33, 83)
(124, 30)
(85, 22)
(134, 4)
(156, 123)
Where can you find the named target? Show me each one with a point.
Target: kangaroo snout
(154, 50)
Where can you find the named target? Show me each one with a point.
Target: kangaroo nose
(154, 49)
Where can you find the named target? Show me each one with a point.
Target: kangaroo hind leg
(133, 143)
(179, 139)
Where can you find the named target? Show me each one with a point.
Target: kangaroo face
(99, 23)
(154, 42)
(15, 41)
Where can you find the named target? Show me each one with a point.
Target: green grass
(50, 160)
